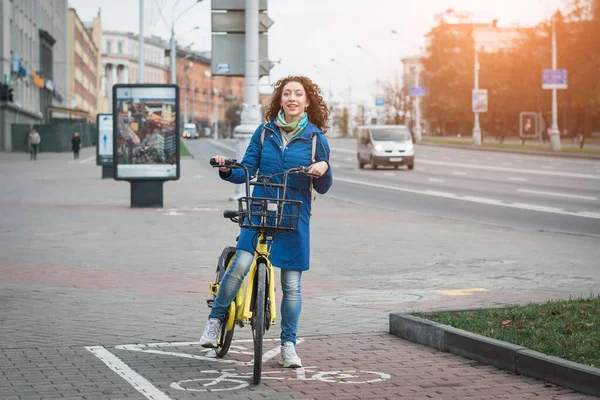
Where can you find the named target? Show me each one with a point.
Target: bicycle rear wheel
(258, 320)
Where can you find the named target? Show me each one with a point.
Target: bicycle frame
(243, 300)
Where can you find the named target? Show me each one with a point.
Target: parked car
(190, 132)
(389, 145)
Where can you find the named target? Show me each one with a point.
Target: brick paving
(80, 269)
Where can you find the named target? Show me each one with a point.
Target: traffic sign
(480, 100)
(554, 79)
(416, 91)
(379, 101)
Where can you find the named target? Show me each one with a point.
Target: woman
(295, 113)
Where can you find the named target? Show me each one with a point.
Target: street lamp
(187, 70)
(377, 92)
(554, 132)
(476, 126)
(350, 112)
(319, 70)
(173, 40)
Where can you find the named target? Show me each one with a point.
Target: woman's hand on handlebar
(221, 161)
(318, 168)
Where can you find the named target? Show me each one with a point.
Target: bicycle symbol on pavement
(229, 379)
(214, 380)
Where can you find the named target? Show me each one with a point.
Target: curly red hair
(317, 111)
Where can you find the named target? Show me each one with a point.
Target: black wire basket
(260, 213)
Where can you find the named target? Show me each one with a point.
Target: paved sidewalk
(82, 275)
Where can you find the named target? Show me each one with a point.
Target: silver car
(385, 145)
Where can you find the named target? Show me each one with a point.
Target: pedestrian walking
(76, 145)
(33, 140)
(296, 116)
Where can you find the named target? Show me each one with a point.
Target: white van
(189, 131)
(390, 145)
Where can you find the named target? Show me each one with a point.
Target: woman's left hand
(318, 168)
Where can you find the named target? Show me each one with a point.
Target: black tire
(411, 166)
(226, 336)
(258, 320)
(361, 164)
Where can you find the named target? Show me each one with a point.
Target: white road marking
(570, 196)
(209, 353)
(138, 382)
(474, 165)
(435, 180)
(513, 170)
(387, 173)
(516, 179)
(87, 160)
(460, 173)
(481, 200)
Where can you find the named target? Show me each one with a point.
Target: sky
(307, 34)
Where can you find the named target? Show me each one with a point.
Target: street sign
(554, 79)
(222, 69)
(480, 100)
(379, 101)
(528, 125)
(416, 91)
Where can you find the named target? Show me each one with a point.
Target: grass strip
(569, 329)
(183, 151)
(509, 146)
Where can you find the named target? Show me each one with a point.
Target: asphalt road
(528, 192)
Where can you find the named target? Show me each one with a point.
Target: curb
(503, 355)
(514, 151)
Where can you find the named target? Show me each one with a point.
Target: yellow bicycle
(255, 302)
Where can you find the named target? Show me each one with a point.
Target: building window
(120, 48)
(108, 45)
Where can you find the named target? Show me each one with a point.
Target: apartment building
(84, 66)
(33, 60)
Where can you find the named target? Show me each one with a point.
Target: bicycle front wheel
(226, 335)
(258, 320)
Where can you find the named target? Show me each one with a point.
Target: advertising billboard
(480, 100)
(104, 141)
(528, 125)
(145, 123)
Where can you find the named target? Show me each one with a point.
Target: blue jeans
(291, 303)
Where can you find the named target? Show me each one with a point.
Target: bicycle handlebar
(232, 163)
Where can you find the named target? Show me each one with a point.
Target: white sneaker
(289, 358)
(210, 336)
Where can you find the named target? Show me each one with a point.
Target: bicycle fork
(244, 304)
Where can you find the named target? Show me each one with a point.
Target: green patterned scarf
(290, 130)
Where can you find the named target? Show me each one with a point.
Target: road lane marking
(570, 196)
(476, 165)
(435, 180)
(460, 173)
(516, 179)
(514, 170)
(138, 382)
(480, 200)
(460, 292)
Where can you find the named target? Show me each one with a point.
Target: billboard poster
(528, 125)
(104, 141)
(146, 122)
(480, 100)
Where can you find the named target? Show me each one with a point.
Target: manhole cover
(377, 298)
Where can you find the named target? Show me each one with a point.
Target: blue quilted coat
(290, 250)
